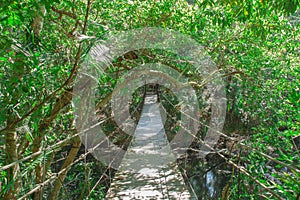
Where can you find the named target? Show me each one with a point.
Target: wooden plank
(148, 169)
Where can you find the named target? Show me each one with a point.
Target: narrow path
(148, 169)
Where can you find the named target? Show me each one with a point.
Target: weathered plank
(148, 169)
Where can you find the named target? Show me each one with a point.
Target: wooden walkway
(148, 169)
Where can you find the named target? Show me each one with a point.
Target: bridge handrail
(240, 142)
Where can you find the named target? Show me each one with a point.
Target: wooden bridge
(148, 169)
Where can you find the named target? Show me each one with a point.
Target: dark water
(207, 178)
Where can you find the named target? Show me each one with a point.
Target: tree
(255, 44)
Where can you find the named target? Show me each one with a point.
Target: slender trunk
(38, 169)
(66, 166)
(13, 173)
(46, 122)
(37, 26)
(38, 21)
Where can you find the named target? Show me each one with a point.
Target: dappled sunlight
(148, 169)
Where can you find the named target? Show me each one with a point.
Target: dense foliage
(255, 44)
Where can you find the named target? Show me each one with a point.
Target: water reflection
(207, 178)
(210, 183)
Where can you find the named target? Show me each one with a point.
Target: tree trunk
(38, 21)
(38, 169)
(46, 122)
(13, 173)
(60, 179)
(37, 26)
(11, 149)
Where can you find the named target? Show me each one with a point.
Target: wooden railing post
(145, 91)
(157, 92)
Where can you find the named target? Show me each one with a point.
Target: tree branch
(63, 12)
